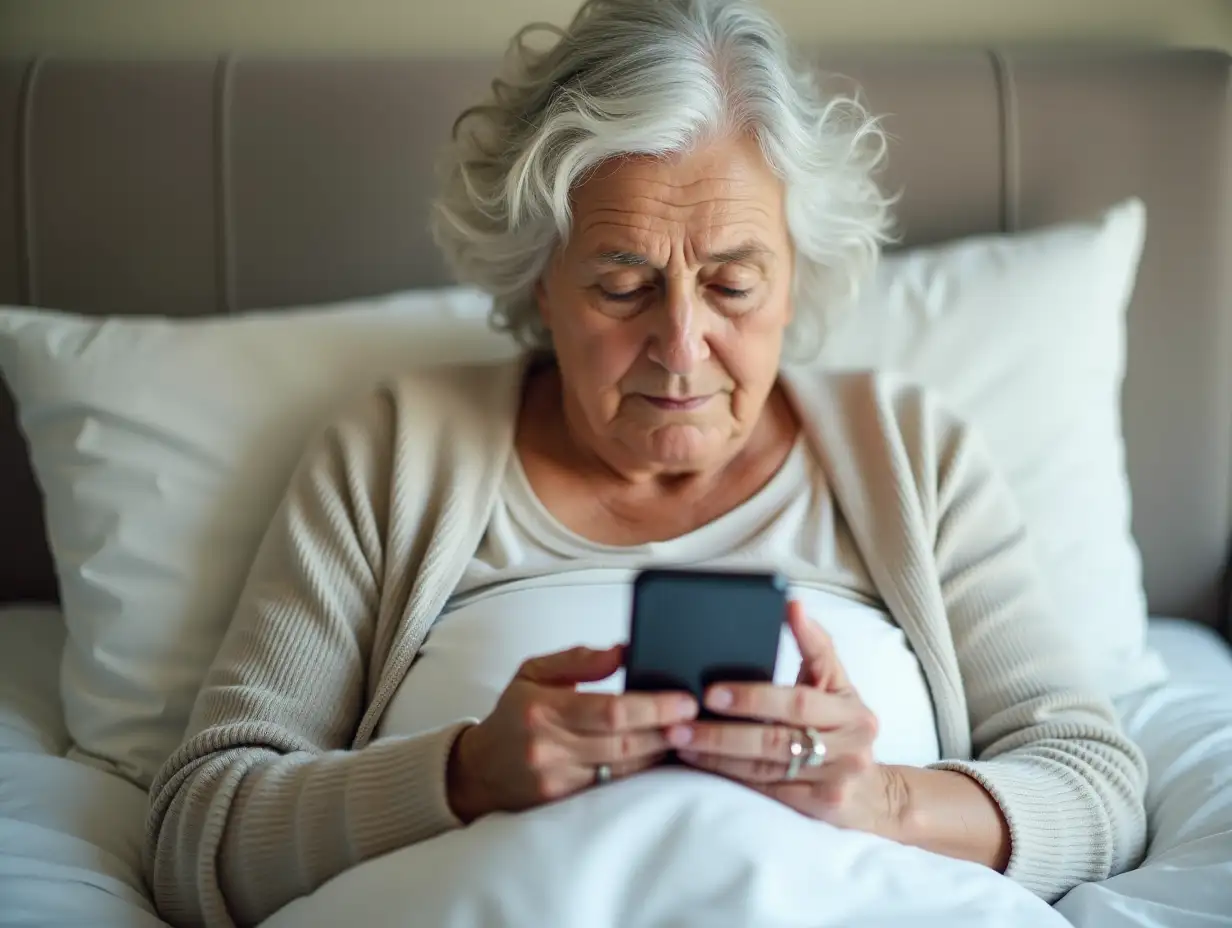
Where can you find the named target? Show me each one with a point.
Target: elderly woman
(660, 204)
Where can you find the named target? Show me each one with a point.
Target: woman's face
(668, 304)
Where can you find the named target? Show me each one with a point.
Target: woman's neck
(605, 496)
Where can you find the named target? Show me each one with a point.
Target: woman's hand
(544, 740)
(847, 789)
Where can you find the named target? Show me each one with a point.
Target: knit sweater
(279, 785)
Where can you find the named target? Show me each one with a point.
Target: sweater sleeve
(1047, 745)
(263, 802)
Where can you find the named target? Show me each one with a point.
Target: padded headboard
(216, 186)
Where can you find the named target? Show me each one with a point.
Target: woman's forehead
(723, 202)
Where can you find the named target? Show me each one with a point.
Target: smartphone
(694, 628)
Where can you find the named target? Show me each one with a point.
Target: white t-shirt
(534, 587)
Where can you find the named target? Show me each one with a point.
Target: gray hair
(657, 77)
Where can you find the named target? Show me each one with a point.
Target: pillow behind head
(1024, 337)
(163, 447)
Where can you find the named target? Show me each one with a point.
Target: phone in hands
(694, 628)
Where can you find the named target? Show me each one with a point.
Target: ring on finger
(603, 774)
(807, 750)
(817, 748)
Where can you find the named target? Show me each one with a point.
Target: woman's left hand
(847, 788)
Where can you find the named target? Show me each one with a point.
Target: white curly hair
(657, 77)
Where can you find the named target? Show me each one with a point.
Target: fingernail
(679, 735)
(719, 698)
(688, 708)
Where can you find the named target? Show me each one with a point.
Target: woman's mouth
(677, 405)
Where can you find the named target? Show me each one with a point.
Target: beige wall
(190, 27)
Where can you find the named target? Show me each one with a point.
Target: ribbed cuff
(401, 795)
(303, 819)
(1059, 834)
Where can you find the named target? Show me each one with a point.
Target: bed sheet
(1185, 730)
(70, 835)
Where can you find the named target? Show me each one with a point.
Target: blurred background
(174, 28)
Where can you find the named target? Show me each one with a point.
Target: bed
(162, 188)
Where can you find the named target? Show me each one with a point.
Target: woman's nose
(679, 342)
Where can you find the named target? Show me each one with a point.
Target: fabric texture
(790, 525)
(163, 446)
(1184, 728)
(668, 847)
(1024, 337)
(535, 587)
(31, 715)
(279, 785)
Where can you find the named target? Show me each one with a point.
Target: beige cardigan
(278, 786)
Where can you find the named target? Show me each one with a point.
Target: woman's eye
(731, 292)
(626, 296)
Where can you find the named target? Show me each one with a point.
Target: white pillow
(31, 713)
(1024, 337)
(163, 447)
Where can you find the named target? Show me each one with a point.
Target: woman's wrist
(897, 823)
(463, 790)
(947, 812)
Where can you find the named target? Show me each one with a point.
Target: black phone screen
(694, 628)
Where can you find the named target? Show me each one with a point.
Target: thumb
(819, 663)
(576, 665)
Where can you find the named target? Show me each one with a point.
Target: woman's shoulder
(454, 384)
(873, 401)
(420, 413)
(436, 397)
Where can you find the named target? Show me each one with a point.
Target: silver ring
(603, 774)
(807, 750)
(817, 748)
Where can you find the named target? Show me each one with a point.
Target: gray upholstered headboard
(203, 187)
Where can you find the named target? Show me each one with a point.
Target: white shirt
(534, 587)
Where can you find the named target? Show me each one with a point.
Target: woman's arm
(1048, 747)
(263, 803)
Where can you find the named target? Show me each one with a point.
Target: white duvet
(668, 849)
(672, 849)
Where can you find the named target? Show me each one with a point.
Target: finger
(826, 787)
(735, 768)
(576, 665)
(796, 706)
(624, 769)
(795, 609)
(759, 741)
(820, 784)
(819, 663)
(603, 713)
(618, 750)
(734, 739)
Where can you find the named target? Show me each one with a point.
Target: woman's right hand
(544, 739)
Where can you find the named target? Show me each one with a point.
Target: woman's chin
(682, 446)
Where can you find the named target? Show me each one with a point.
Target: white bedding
(70, 836)
(671, 848)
